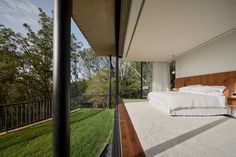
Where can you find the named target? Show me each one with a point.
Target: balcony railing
(20, 114)
(16, 115)
(90, 101)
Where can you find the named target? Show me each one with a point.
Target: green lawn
(90, 130)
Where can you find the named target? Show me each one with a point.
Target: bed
(191, 100)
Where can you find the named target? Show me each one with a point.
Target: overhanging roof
(96, 20)
(159, 29)
(153, 30)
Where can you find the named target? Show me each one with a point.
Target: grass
(90, 131)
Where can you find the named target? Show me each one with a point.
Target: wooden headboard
(227, 79)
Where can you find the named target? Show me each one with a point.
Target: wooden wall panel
(227, 79)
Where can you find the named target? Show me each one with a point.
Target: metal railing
(90, 101)
(20, 114)
(16, 115)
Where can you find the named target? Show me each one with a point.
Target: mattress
(190, 112)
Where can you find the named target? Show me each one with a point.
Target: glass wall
(146, 78)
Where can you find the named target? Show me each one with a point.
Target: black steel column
(116, 150)
(110, 79)
(141, 81)
(117, 82)
(61, 77)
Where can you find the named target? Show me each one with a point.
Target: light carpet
(164, 136)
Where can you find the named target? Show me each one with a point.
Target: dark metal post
(61, 77)
(117, 82)
(6, 119)
(141, 80)
(21, 114)
(110, 78)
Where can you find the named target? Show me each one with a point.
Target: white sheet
(183, 100)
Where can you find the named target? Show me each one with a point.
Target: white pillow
(219, 88)
(184, 89)
(188, 88)
(196, 85)
(203, 89)
(215, 94)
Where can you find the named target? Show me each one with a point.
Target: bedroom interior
(187, 135)
(204, 50)
(191, 70)
(160, 134)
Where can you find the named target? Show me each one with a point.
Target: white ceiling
(173, 27)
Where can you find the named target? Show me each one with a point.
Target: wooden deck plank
(131, 146)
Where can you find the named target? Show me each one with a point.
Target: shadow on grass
(26, 140)
(92, 113)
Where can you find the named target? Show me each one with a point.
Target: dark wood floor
(131, 146)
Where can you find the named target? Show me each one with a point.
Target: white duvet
(184, 100)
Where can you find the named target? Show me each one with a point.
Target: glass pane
(146, 78)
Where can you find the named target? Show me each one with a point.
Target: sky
(13, 13)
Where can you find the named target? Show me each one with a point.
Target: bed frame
(227, 79)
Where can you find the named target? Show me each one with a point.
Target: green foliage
(130, 86)
(90, 64)
(29, 71)
(78, 88)
(99, 85)
(130, 80)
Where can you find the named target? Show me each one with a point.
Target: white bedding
(190, 112)
(182, 100)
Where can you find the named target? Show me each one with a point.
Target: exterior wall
(214, 57)
(160, 77)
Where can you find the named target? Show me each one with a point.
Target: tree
(26, 61)
(7, 73)
(76, 49)
(130, 79)
(90, 64)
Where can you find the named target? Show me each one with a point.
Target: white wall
(160, 77)
(214, 57)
